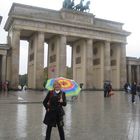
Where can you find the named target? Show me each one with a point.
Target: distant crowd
(4, 86)
(133, 89)
(129, 87)
(108, 89)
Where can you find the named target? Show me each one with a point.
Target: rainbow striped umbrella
(69, 86)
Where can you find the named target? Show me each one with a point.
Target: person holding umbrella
(53, 103)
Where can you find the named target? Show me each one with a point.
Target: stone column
(15, 44)
(138, 74)
(102, 64)
(57, 56)
(107, 67)
(118, 67)
(79, 61)
(3, 68)
(61, 56)
(39, 60)
(129, 73)
(89, 64)
(123, 66)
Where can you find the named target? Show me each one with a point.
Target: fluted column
(39, 60)
(61, 56)
(89, 64)
(3, 68)
(123, 65)
(118, 59)
(107, 67)
(15, 44)
(129, 73)
(57, 56)
(138, 74)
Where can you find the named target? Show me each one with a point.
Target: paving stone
(89, 117)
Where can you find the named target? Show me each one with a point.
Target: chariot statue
(79, 6)
(68, 4)
(85, 7)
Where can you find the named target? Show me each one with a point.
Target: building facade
(98, 46)
(133, 69)
(3, 59)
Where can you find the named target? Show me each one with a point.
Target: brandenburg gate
(98, 46)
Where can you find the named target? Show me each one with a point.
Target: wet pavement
(89, 117)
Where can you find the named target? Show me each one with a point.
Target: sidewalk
(90, 117)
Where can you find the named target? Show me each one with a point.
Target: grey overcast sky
(124, 11)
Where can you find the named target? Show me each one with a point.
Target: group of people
(107, 89)
(134, 89)
(20, 88)
(4, 86)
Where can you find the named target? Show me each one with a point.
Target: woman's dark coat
(54, 110)
(133, 89)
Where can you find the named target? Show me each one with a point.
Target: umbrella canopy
(69, 86)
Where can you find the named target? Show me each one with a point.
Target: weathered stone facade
(98, 46)
(3, 59)
(133, 69)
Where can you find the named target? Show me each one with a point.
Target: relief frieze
(52, 58)
(96, 61)
(113, 62)
(85, 32)
(73, 17)
(31, 57)
(78, 60)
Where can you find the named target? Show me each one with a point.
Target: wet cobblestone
(89, 117)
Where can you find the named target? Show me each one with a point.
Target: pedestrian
(126, 87)
(24, 87)
(0, 85)
(19, 87)
(129, 88)
(138, 90)
(105, 89)
(5, 85)
(53, 103)
(110, 90)
(133, 91)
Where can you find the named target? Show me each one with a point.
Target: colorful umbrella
(69, 86)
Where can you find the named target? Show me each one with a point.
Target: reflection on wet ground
(89, 117)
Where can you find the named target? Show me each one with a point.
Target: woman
(133, 91)
(53, 103)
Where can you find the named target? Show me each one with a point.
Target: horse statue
(68, 4)
(71, 6)
(79, 6)
(85, 7)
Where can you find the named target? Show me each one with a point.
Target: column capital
(16, 29)
(107, 41)
(40, 32)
